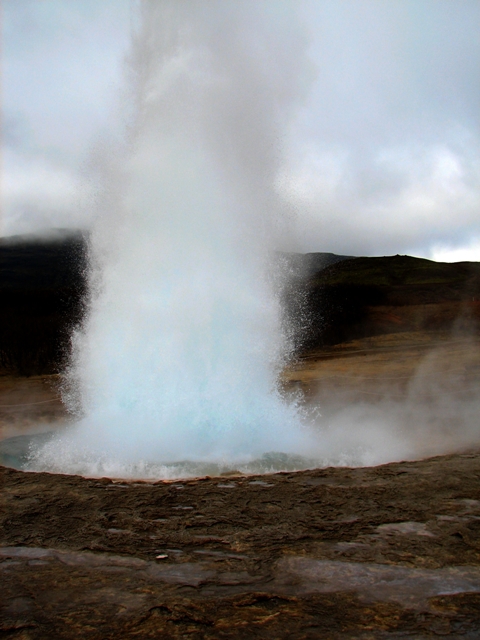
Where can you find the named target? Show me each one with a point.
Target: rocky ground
(398, 366)
(384, 552)
(390, 551)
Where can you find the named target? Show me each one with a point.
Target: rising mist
(175, 368)
(178, 357)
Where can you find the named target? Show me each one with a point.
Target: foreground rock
(385, 552)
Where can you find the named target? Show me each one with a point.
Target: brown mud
(29, 405)
(389, 366)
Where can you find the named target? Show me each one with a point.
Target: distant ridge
(328, 298)
(54, 234)
(361, 297)
(305, 265)
(42, 289)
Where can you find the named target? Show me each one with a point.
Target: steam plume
(178, 357)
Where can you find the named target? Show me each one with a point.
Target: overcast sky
(383, 158)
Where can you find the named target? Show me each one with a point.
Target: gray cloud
(61, 70)
(383, 156)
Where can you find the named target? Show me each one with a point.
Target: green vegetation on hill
(394, 271)
(343, 301)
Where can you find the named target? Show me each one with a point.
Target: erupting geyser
(175, 366)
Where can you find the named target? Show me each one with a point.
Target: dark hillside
(360, 297)
(329, 298)
(42, 284)
(405, 280)
(42, 288)
(305, 265)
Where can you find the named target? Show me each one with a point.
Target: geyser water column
(177, 360)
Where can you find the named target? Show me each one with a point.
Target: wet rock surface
(384, 552)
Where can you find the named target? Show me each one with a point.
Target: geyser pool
(176, 363)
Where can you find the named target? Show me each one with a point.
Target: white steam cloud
(175, 368)
(393, 101)
(179, 354)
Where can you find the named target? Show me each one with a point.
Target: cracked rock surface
(384, 552)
